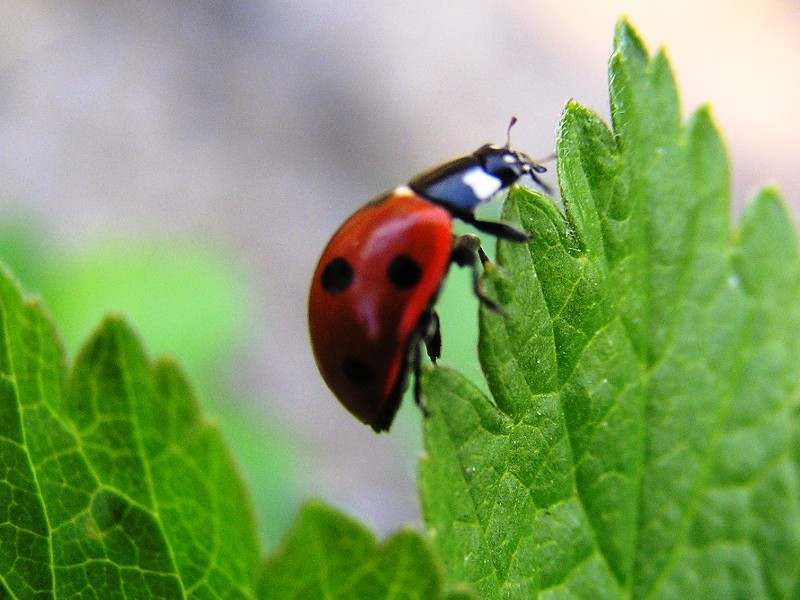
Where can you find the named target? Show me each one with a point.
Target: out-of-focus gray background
(257, 127)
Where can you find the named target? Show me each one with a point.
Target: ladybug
(371, 304)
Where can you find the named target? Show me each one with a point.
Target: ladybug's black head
(507, 164)
(467, 181)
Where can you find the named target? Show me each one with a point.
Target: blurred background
(185, 163)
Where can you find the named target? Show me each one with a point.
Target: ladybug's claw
(491, 305)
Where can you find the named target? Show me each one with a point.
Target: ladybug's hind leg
(427, 333)
(431, 335)
(467, 252)
(416, 366)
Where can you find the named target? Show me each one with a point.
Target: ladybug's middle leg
(467, 252)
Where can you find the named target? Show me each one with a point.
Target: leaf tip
(772, 193)
(113, 320)
(114, 323)
(575, 111)
(662, 68)
(702, 122)
(627, 40)
(572, 105)
(114, 334)
(768, 200)
(575, 118)
(704, 111)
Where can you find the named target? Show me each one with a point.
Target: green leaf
(113, 485)
(642, 435)
(155, 284)
(326, 555)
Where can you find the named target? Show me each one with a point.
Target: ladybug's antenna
(508, 131)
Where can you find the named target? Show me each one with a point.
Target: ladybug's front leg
(496, 228)
(467, 252)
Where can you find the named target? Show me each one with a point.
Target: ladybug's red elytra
(371, 304)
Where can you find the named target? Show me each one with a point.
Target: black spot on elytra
(337, 276)
(357, 371)
(404, 272)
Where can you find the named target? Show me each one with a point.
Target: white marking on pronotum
(483, 185)
(508, 159)
(403, 190)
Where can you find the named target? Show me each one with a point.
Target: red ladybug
(371, 305)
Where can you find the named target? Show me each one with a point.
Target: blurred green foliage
(185, 299)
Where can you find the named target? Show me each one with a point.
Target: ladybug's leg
(496, 228)
(416, 366)
(467, 252)
(541, 169)
(430, 334)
